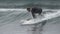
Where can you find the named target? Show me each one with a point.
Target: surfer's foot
(34, 17)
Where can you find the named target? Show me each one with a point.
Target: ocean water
(10, 22)
(53, 4)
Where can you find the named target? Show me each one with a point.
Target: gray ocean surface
(53, 4)
(10, 22)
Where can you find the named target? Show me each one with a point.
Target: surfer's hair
(28, 9)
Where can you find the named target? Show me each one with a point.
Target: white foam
(8, 9)
(45, 17)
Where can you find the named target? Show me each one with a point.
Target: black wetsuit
(36, 10)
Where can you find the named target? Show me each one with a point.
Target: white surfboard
(41, 18)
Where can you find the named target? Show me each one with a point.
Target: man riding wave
(34, 10)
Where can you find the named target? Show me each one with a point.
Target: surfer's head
(28, 9)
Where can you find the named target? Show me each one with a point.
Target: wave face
(10, 21)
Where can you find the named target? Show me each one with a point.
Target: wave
(46, 15)
(12, 15)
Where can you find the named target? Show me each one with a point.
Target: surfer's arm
(33, 15)
(32, 12)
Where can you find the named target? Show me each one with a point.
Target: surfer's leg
(39, 13)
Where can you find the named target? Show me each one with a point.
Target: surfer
(34, 10)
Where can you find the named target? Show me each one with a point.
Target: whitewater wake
(48, 15)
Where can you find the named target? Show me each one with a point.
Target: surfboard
(40, 18)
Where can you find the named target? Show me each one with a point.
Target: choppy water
(10, 22)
